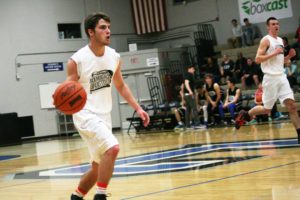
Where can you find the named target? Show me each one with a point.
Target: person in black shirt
(213, 95)
(227, 68)
(257, 74)
(289, 53)
(213, 68)
(247, 78)
(232, 100)
(189, 98)
(240, 63)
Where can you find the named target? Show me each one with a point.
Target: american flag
(149, 16)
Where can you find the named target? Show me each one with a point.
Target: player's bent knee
(113, 151)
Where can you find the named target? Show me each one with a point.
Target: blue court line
(7, 157)
(211, 181)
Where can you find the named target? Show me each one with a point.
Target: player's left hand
(144, 116)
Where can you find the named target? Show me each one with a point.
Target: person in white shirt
(275, 83)
(236, 40)
(95, 67)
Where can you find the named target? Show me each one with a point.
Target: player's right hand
(279, 50)
(144, 116)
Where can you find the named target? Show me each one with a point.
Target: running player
(275, 83)
(95, 66)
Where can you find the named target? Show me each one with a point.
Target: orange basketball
(258, 98)
(69, 97)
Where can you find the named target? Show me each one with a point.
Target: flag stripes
(149, 16)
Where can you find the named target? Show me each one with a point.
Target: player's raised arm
(263, 47)
(72, 71)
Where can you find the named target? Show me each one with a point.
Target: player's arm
(227, 97)
(218, 91)
(72, 71)
(208, 99)
(125, 92)
(291, 54)
(263, 47)
(237, 96)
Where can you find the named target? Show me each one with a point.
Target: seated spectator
(297, 44)
(258, 102)
(290, 71)
(240, 63)
(289, 53)
(213, 68)
(232, 100)
(236, 40)
(227, 67)
(247, 78)
(213, 96)
(255, 69)
(202, 103)
(249, 33)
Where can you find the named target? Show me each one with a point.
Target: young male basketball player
(95, 66)
(275, 82)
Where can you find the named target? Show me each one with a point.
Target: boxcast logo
(253, 7)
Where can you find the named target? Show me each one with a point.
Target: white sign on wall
(260, 10)
(151, 62)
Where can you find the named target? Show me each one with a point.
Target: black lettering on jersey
(100, 79)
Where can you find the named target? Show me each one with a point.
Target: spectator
(290, 71)
(201, 103)
(236, 40)
(255, 69)
(289, 53)
(232, 100)
(213, 68)
(249, 33)
(227, 68)
(189, 98)
(213, 96)
(297, 44)
(240, 63)
(247, 78)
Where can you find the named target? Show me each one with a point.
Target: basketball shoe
(241, 119)
(100, 197)
(75, 197)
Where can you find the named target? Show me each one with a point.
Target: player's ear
(91, 32)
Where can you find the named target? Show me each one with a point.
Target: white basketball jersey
(95, 75)
(274, 65)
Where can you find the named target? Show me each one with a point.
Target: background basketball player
(95, 66)
(275, 83)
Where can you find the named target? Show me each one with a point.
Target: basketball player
(275, 83)
(95, 66)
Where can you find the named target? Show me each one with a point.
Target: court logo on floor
(188, 157)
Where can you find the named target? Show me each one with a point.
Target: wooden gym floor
(259, 162)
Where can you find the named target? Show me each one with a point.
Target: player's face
(208, 80)
(273, 26)
(101, 34)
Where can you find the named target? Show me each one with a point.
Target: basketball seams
(68, 92)
(83, 102)
(69, 98)
(58, 90)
